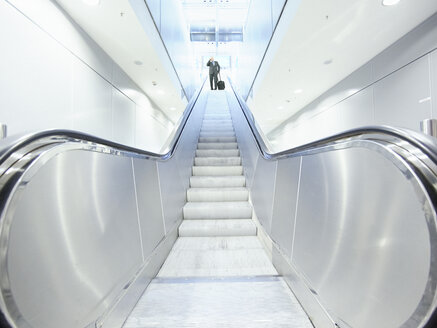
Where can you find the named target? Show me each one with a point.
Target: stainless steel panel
(74, 241)
(174, 175)
(149, 204)
(433, 75)
(403, 98)
(246, 143)
(285, 202)
(362, 240)
(263, 190)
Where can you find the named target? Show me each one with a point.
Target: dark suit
(214, 69)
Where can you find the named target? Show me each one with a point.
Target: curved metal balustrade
(353, 217)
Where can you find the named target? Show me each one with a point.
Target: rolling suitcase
(221, 84)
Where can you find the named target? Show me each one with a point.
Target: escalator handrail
(425, 143)
(11, 145)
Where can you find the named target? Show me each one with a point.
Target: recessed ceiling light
(280, 107)
(390, 2)
(172, 108)
(91, 2)
(297, 91)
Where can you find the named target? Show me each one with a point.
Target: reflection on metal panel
(246, 143)
(283, 216)
(149, 204)
(174, 176)
(263, 190)
(361, 237)
(75, 230)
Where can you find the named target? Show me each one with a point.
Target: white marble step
(217, 181)
(217, 153)
(216, 116)
(217, 134)
(217, 210)
(216, 228)
(217, 145)
(221, 194)
(218, 302)
(218, 128)
(217, 139)
(217, 170)
(217, 122)
(217, 161)
(217, 256)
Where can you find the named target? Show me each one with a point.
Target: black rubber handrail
(11, 145)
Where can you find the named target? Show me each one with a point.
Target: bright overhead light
(280, 107)
(390, 2)
(91, 2)
(172, 108)
(160, 92)
(297, 91)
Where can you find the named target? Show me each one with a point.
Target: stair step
(217, 181)
(217, 170)
(217, 228)
(217, 134)
(217, 128)
(238, 194)
(212, 116)
(215, 122)
(217, 153)
(217, 210)
(217, 161)
(217, 139)
(217, 145)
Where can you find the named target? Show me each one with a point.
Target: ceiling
(223, 16)
(323, 43)
(115, 27)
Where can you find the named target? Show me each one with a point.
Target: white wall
(398, 87)
(261, 21)
(169, 18)
(54, 76)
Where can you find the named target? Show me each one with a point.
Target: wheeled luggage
(221, 84)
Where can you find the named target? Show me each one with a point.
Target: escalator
(219, 232)
(217, 274)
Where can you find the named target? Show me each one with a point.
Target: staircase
(217, 200)
(218, 274)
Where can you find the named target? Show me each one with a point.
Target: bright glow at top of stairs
(390, 2)
(91, 2)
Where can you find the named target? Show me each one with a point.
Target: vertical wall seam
(160, 198)
(296, 208)
(274, 196)
(431, 84)
(373, 94)
(138, 210)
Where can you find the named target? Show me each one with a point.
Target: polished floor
(218, 274)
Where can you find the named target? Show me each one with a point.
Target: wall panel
(55, 76)
(403, 98)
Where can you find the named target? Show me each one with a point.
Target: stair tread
(207, 228)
